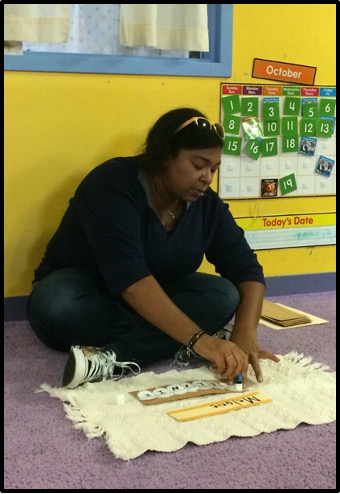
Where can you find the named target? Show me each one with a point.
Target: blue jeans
(72, 307)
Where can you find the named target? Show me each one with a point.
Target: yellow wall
(59, 126)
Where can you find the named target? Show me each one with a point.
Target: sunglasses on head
(204, 123)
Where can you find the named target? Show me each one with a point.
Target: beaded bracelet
(194, 338)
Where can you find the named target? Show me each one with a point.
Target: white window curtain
(35, 23)
(94, 29)
(166, 27)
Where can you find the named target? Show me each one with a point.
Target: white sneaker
(182, 357)
(91, 364)
(225, 332)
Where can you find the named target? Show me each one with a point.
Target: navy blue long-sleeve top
(110, 229)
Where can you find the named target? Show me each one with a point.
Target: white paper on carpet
(301, 392)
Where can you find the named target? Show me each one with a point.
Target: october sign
(282, 71)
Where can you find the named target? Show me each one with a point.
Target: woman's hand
(251, 348)
(247, 317)
(227, 358)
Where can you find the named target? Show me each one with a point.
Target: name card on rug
(222, 406)
(182, 390)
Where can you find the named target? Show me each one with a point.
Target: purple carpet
(42, 449)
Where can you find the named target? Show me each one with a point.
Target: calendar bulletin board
(280, 141)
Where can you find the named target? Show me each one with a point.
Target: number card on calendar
(274, 131)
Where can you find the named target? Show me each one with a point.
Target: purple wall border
(15, 307)
(302, 283)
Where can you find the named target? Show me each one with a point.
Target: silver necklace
(171, 213)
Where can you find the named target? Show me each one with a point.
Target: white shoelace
(103, 365)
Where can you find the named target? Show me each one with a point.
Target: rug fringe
(307, 362)
(44, 388)
(54, 392)
(80, 421)
(73, 412)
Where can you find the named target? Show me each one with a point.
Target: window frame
(217, 65)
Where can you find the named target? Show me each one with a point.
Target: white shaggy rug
(301, 392)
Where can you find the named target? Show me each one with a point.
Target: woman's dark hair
(163, 142)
